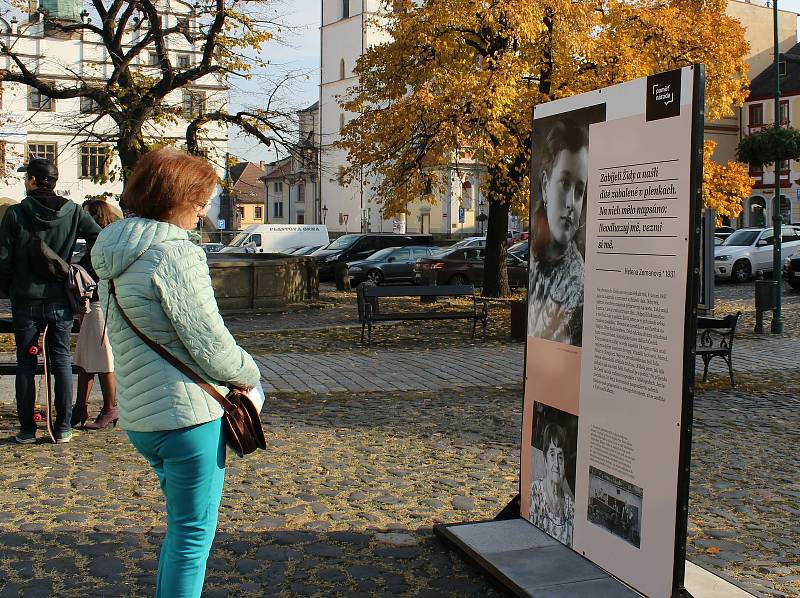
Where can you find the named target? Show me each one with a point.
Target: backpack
(49, 266)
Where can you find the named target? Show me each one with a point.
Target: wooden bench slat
(413, 316)
(419, 291)
(715, 338)
(369, 308)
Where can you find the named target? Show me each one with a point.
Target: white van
(275, 238)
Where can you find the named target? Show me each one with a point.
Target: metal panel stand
(531, 564)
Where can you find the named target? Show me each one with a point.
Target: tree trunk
(130, 147)
(495, 272)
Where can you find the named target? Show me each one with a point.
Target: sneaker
(25, 438)
(64, 437)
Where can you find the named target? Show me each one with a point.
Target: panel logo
(663, 95)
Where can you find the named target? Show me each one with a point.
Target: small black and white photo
(555, 444)
(615, 505)
(559, 179)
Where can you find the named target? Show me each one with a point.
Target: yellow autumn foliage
(466, 74)
(724, 187)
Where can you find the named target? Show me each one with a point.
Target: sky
(298, 52)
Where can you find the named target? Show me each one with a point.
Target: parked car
(791, 268)
(308, 249)
(351, 248)
(393, 264)
(522, 250)
(723, 232)
(749, 250)
(465, 266)
(212, 247)
(275, 238)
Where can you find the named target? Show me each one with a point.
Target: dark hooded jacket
(58, 222)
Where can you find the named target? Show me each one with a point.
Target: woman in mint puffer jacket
(162, 282)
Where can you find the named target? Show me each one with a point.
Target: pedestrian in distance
(152, 273)
(93, 355)
(43, 218)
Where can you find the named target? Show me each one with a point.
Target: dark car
(465, 266)
(793, 271)
(393, 264)
(350, 248)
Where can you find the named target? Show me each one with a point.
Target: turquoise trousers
(190, 465)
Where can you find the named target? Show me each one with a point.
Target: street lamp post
(777, 320)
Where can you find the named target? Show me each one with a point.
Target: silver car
(749, 250)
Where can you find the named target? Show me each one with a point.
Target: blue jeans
(190, 465)
(29, 321)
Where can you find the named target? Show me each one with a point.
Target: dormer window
(781, 68)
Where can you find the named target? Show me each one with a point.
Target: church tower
(347, 30)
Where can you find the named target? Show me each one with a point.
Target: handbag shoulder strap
(169, 357)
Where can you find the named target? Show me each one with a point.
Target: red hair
(166, 182)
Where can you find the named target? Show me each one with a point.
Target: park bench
(715, 339)
(9, 368)
(369, 308)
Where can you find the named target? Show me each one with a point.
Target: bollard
(519, 316)
(766, 300)
(341, 276)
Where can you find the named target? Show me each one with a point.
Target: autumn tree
(467, 73)
(140, 93)
(724, 187)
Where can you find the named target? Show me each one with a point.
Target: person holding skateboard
(39, 303)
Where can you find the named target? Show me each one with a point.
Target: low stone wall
(263, 280)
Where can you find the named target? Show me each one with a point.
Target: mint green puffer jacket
(163, 284)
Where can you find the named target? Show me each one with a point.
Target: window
(258, 212)
(187, 26)
(2, 158)
(402, 255)
(783, 167)
(301, 192)
(756, 170)
(184, 61)
(39, 101)
(466, 195)
(341, 69)
(301, 218)
(277, 209)
(756, 116)
(94, 161)
(781, 68)
(152, 59)
(341, 122)
(42, 150)
(89, 106)
(240, 209)
(278, 187)
(194, 103)
(784, 112)
(345, 9)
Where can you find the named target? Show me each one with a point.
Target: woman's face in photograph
(563, 191)
(554, 462)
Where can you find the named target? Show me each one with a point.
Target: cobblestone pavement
(366, 451)
(391, 371)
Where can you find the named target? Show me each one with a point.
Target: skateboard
(45, 414)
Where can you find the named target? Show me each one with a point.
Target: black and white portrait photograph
(559, 180)
(555, 439)
(615, 505)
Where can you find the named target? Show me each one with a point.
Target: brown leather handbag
(241, 421)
